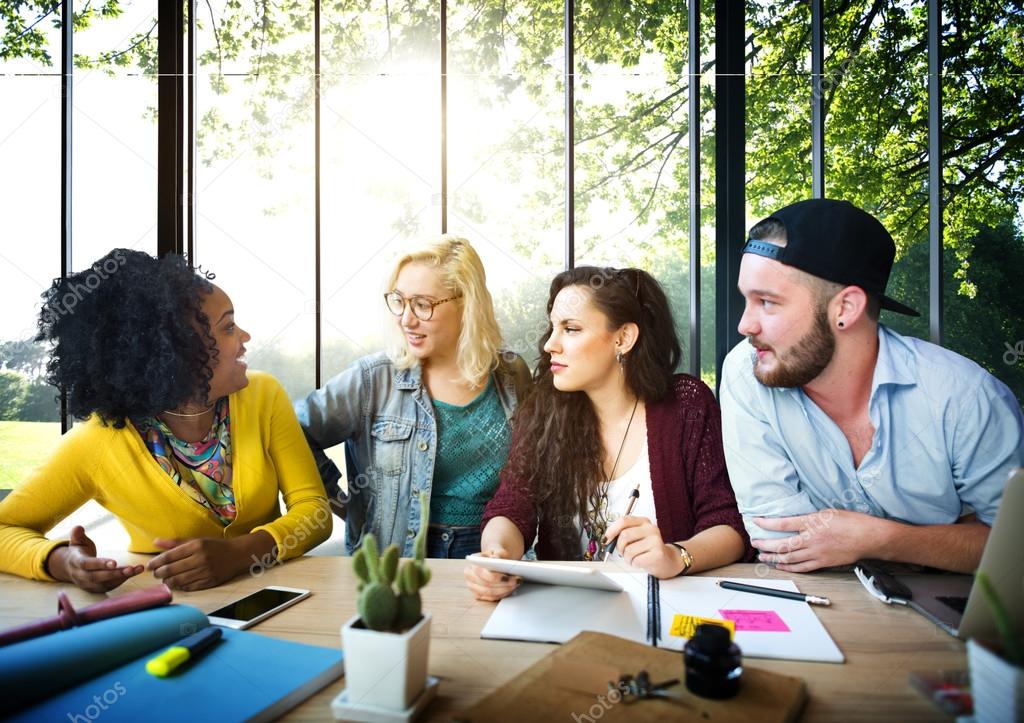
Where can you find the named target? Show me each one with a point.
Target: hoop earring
(841, 325)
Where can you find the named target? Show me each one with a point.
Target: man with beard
(845, 440)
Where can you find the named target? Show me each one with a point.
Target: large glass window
(381, 164)
(506, 167)
(632, 193)
(255, 176)
(113, 159)
(380, 160)
(30, 113)
(983, 118)
(876, 151)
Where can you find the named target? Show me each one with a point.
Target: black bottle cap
(712, 638)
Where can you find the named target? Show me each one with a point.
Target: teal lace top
(472, 446)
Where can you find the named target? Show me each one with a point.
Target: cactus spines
(379, 605)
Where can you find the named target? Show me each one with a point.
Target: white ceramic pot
(996, 686)
(387, 670)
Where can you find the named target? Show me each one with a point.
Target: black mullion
(444, 116)
(693, 68)
(570, 136)
(817, 101)
(935, 279)
(190, 138)
(170, 122)
(730, 167)
(317, 291)
(66, 68)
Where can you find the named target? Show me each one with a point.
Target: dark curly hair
(557, 442)
(128, 337)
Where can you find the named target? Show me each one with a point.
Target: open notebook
(766, 627)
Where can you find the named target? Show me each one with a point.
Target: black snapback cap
(836, 241)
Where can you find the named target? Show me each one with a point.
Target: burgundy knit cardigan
(688, 475)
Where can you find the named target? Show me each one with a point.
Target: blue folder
(99, 670)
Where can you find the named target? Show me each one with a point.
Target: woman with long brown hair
(608, 417)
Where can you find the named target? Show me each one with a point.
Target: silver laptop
(952, 601)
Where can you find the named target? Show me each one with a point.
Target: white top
(619, 493)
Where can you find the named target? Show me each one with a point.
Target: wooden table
(881, 643)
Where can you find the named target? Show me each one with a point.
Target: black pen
(654, 608)
(633, 497)
(789, 595)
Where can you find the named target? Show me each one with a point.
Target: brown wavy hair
(564, 474)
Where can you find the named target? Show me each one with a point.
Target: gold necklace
(197, 414)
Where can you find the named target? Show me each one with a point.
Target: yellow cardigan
(114, 467)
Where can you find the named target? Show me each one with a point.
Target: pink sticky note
(757, 621)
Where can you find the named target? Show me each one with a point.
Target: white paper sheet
(546, 613)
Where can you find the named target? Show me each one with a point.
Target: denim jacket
(385, 417)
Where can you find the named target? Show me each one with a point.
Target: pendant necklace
(595, 532)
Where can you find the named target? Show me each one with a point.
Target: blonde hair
(461, 273)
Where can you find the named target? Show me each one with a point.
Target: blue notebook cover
(245, 677)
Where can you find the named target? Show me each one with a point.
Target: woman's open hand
(77, 563)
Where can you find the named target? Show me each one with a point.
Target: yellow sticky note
(684, 626)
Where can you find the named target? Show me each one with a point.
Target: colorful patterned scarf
(202, 469)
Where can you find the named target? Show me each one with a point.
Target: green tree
(12, 394)
(632, 151)
(40, 403)
(24, 356)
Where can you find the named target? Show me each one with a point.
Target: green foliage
(381, 604)
(23, 356)
(12, 394)
(40, 403)
(631, 145)
(23, 393)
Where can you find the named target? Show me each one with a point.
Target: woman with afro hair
(183, 445)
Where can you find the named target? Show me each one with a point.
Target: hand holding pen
(633, 497)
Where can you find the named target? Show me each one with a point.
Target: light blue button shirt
(947, 434)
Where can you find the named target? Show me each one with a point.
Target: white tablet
(548, 573)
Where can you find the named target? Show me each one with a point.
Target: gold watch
(685, 556)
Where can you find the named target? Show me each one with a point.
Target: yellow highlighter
(184, 650)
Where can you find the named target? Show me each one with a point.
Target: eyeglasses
(422, 307)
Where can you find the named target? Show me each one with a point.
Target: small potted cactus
(387, 643)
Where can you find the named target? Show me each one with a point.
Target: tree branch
(263, 37)
(130, 48)
(970, 145)
(627, 166)
(38, 20)
(216, 37)
(657, 179)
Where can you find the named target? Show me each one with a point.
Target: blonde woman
(431, 416)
